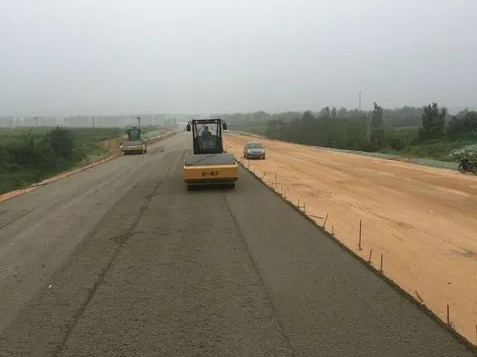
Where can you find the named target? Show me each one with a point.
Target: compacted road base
(155, 270)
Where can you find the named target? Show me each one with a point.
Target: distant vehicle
(254, 150)
(467, 166)
(135, 144)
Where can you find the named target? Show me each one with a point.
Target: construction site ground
(421, 221)
(121, 260)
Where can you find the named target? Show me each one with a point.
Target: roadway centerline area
(167, 272)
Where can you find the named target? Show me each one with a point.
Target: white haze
(110, 57)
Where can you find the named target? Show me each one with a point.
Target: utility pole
(367, 127)
(359, 106)
(139, 121)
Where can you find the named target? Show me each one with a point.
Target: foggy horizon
(202, 57)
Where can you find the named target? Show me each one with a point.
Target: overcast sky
(60, 57)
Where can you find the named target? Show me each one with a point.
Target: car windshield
(254, 146)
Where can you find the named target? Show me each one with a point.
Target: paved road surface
(122, 261)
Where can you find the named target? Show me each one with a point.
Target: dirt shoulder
(420, 219)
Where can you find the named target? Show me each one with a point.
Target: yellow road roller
(209, 164)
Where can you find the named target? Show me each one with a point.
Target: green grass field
(81, 135)
(258, 128)
(14, 176)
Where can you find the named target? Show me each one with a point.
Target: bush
(396, 144)
(61, 142)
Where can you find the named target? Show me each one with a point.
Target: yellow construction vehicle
(209, 164)
(135, 144)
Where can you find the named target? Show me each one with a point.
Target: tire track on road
(121, 240)
(41, 326)
(194, 292)
(260, 278)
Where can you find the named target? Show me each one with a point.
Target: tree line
(367, 131)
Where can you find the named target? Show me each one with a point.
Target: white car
(254, 150)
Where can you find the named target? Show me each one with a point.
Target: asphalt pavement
(121, 260)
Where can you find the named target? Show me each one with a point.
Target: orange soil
(422, 219)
